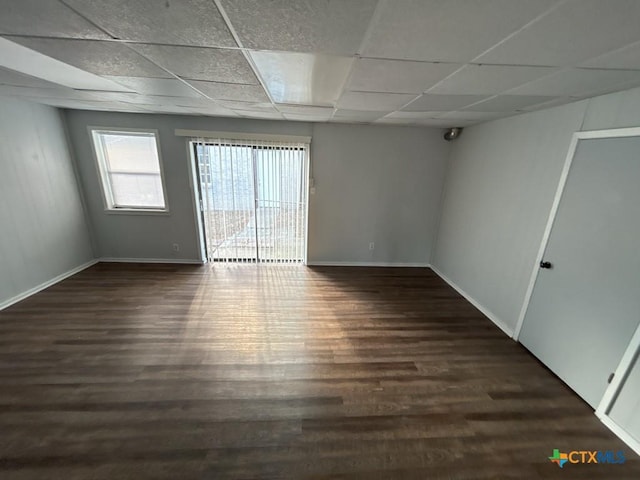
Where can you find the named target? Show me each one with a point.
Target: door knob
(544, 264)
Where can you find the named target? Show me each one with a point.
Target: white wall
(626, 407)
(501, 180)
(373, 184)
(43, 233)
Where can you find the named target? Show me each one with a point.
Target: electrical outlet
(176, 247)
(372, 245)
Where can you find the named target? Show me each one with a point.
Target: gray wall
(373, 184)
(44, 233)
(501, 181)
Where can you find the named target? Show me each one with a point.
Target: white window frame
(105, 184)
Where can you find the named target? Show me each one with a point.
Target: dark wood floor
(234, 372)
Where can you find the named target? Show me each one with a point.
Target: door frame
(633, 349)
(194, 174)
(577, 136)
(621, 373)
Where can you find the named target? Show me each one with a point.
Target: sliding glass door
(253, 199)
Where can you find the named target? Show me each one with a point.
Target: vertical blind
(254, 196)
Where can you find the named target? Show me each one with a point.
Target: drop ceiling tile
(150, 99)
(250, 106)
(579, 82)
(415, 115)
(231, 91)
(208, 110)
(156, 86)
(11, 77)
(194, 63)
(472, 116)
(48, 18)
(626, 58)
(302, 25)
(551, 103)
(373, 101)
(183, 22)
(302, 77)
(441, 103)
(488, 79)
(508, 103)
(152, 108)
(88, 105)
(397, 76)
(450, 31)
(101, 58)
(57, 93)
(413, 122)
(305, 110)
(307, 117)
(275, 115)
(342, 115)
(574, 32)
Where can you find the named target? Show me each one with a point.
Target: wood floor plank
(250, 371)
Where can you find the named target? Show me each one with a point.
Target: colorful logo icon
(559, 458)
(587, 456)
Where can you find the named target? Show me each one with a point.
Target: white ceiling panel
(210, 109)
(249, 106)
(311, 26)
(551, 103)
(302, 77)
(194, 63)
(417, 122)
(305, 110)
(508, 103)
(275, 115)
(231, 91)
(441, 103)
(574, 32)
(401, 62)
(447, 30)
(470, 116)
(578, 82)
(373, 101)
(306, 118)
(397, 76)
(341, 115)
(48, 18)
(156, 86)
(35, 64)
(100, 58)
(92, 105)
(56, 93)
(150, 99)
(11, 77)
(488, 79)
(415, 115)
(183, 22)
(626, 58)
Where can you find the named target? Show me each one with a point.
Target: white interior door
(584, 309)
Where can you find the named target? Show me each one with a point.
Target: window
(129, 165)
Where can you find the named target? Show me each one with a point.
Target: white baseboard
(7, 303)
(486, 312)
(622, 434)
(151, 260)
(366, 264)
